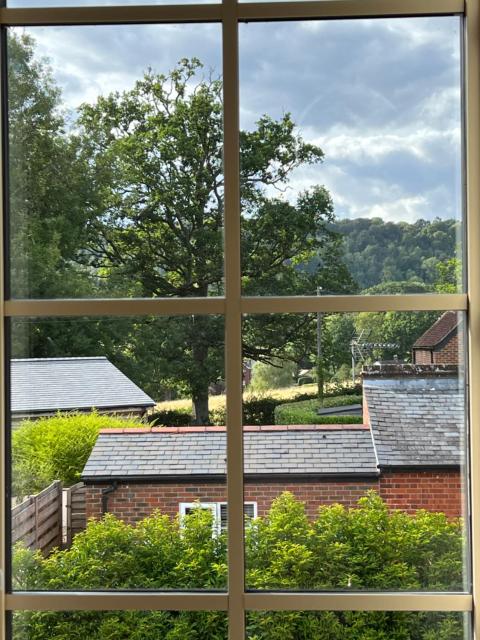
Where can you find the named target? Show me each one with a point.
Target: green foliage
(364, 548)
(449, 276)
(272, 375)
(171, 418)
(399, 327)
(305, 412)
(378, 251)
(57, 448)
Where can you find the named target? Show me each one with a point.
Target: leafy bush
(272, 376)
(367, 547)
(305, 412)
(171, 418)
(261, 410)
(57, 448)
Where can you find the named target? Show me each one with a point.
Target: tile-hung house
(408, 449)
(44, 386)
(442, 343)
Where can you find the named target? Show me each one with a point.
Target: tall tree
(46, 185)
(156, 218)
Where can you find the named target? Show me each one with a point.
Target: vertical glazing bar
(233, 322)
(3, 492)
(473, 228)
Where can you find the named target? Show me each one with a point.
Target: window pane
(105, 625)
(110, 440)
(337, 625)
(360, 483)
(116, 176)
(351, 164)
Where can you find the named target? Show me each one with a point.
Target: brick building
(409, 450)
(442, 343)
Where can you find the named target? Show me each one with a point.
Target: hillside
(378, 251)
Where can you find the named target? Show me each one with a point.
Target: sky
(381, 97)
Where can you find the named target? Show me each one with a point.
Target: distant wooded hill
(378, 251)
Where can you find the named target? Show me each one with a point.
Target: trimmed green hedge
(257, 410)
(305, 412)
(362, 548)
(57, 448)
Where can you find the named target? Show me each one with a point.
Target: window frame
(216, 509)
(236, 600)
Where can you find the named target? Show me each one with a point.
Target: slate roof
(416, 422)
(51, 384)
(181, 452)
(438, 331)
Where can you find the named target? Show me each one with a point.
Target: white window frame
(215, 508)
(237, 600)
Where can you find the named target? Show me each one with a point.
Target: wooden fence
(37, 521)
(75, 520)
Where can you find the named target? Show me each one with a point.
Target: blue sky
(381, 97)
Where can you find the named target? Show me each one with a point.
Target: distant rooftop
(415, 421)
(50, 384)
(160, 452)
(440, 330)
(398, 370)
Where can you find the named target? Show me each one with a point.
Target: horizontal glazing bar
(348, 9)
(111, 15)
(101, 601)
(331, 304)
(115, 307)
(188, 306)
(214, 12)
(358, 602)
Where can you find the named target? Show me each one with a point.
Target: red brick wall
(431, 490)
(133, 502)
(406, 490)
(422, 356)
(449, 352)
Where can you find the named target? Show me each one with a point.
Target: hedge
(305, 412)
(360, 548)
(57, 448)
(257, 410)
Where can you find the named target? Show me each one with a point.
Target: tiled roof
(50, 384)
(438, 331)
(182, 452)
(417, 423)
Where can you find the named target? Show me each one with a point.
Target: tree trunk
(200, 346)
(200, 406)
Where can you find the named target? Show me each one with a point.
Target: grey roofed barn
(42, 386)
(175, 452)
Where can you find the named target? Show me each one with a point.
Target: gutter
(221, 478)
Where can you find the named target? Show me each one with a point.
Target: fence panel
(37, 521)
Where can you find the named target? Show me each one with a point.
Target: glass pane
(116, 176)
(108, 492)
(355, 451)
(337, 625)
(351, 164)
(106, 625)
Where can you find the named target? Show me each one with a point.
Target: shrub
(366, 547)
(171, 418)
(57, 448)
(305, 412)
(272, 376)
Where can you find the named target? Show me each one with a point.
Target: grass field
(215, 402)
